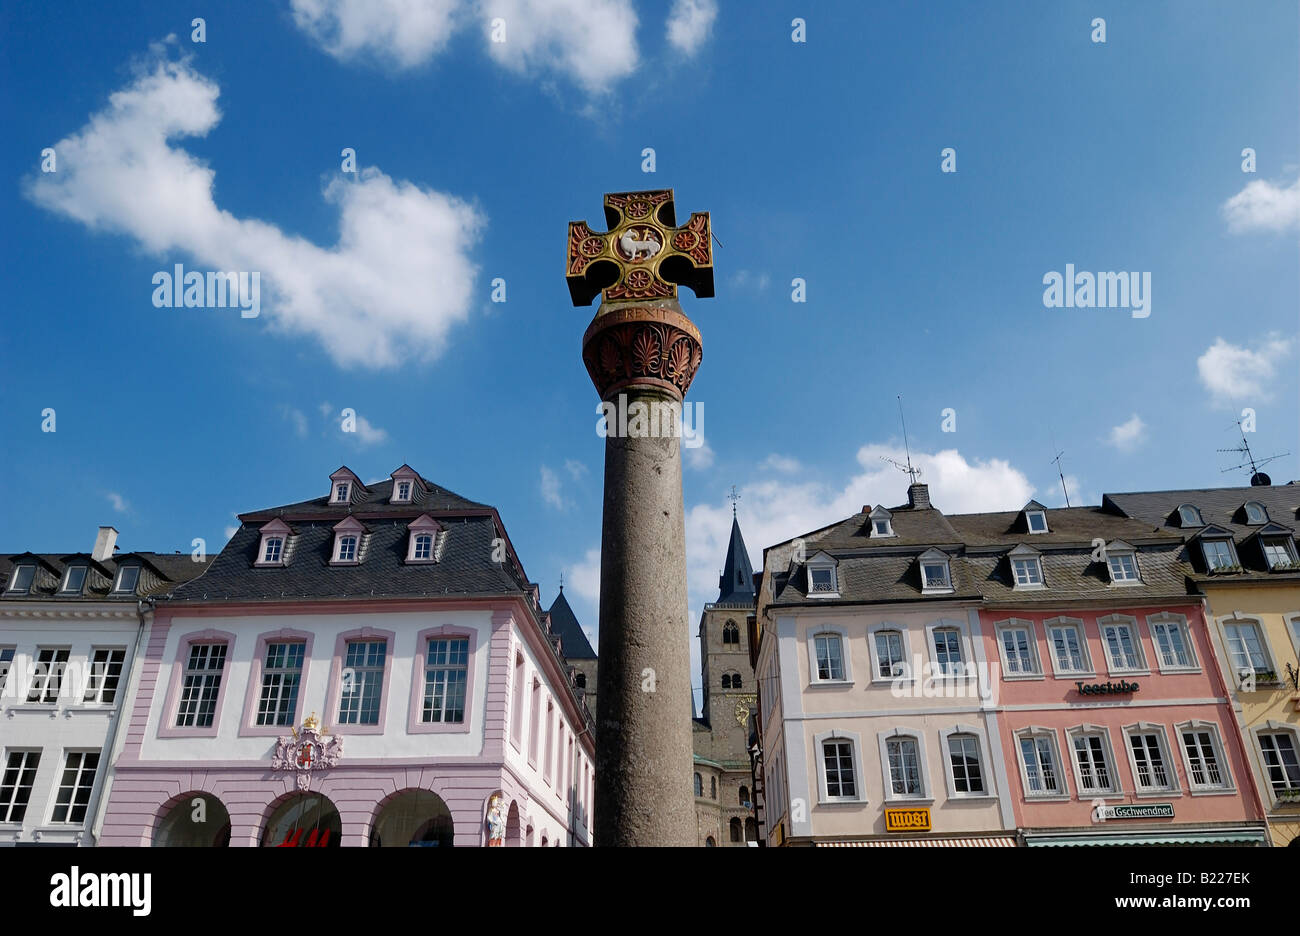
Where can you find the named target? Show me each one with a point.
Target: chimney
(105, 543)
(918, 496)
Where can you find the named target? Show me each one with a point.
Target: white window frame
(1090, 668)
(903, 732)
(982, 751)
(1172, 785)
(65, 587)
(821, 562)
(278, 559)
(1167, 619)
(1116, 788)
(354, 540)
(1019, 624)
(813, 678)
(876, 516)
(968, 671)
(859, 779)
(12, 586)
(275, 529)
(1275, 539)
(81, 775)
(904, 641)
(400, 496)
(1121, 551)
(121, 574)
(1274, 727)
(95, 679)
(1029, 522)
(1232, 552)
(44, 678)
(1270, 662)
(1229, 787)
(1119, 667)
(945, 582)
(1026, 554)
(1035, 732)
(340, 491)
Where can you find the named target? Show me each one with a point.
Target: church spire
(736, 583)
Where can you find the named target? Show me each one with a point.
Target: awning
(1172, 837)
(985, 841)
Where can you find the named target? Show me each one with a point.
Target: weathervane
(733, 497)
(1257, 477)
(911, 472)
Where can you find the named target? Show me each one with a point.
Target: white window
(890, 661)
(6, 662)
(1042, 773)
(74, 580)
(127, 579)
(1278, 552)
(934, 575)
(105, 674)
(1123, 649)
(1069, 652)
(881, 522)
(47, 680)
(1246, 648)
(403, 491)
(341, 491)
(1189, 516)
(904, 767)
(1037, 520)
(423, 546)
(1278, 751)
(201, 686)
(347, 549)
(1218, 553)
(947, 651)
(1203, 757)
(1027, 571)
(1019, 650)
(1173, 643)
(74, 787)
(1092, 764)
(1149, 758)
(22, 579)
(446, 674)
(964, 759)
(1123, 567)
(273, 548)
(830, 658)
(837, 762)
(1255, 513)
(362, 695)
(281, 677)
(823, 580)
(16, 785)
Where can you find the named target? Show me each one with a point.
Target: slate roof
(736, 583)
(374, 502)
(887, 569)
(564, 623)
(160, 573)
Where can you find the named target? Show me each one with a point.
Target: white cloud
(1263, 206)
(392, 288)
(296, 417)
(551, 489)
(591, 42)
(690, 23)
(576, 469)
(368, 434)
(782, 463)
(232, 530)
(700, 457)
(404, 33)
(584, 576)
(119, 503)
(1128, 435)
(1231, 373)
(744, 279)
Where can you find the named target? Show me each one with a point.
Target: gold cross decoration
(643, 255)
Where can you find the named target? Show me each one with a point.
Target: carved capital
(642, 346)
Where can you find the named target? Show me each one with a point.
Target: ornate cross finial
(733, 497)
(561, 580)
(643, 255)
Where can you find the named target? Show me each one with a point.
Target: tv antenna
(911, 472)
(1060, 472)
(1257, 477)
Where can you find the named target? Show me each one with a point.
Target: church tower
(724, 795)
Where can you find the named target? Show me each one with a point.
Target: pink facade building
(371, 667)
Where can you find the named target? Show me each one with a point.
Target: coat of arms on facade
(311, 748)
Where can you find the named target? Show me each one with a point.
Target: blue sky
(818, 160)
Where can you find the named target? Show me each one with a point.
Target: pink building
(371, 667)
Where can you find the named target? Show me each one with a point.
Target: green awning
(1172, 837)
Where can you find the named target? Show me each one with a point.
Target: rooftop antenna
(733, 497)
(1257, 477)
(911, 472)
(1060, 472)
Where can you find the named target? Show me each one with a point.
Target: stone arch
(412, 817)
(514, 834)
(301, 818)
(174, 824)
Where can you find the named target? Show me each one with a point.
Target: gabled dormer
(349, 539)
(1033, 517)
(425, 539)
(1275, 545)
(346, 488)
(880, 523)
(408, 488)
(273, 550)
(30, 574)
(77, 573)
(936, 572)
(823, 576)
(1122, 563)
(1213, 550)
(1026, 568)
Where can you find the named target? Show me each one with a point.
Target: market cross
(643, 255)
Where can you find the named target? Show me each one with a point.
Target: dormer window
(1035, 517)
(408, 487)
(1255, 513)
(821, 577)
(1279, 551)
(347, 549)
(882, 523)
(274, 547)
(341, 492)
(21, 582)
(1189, 516)
(403, 492)
(348, 538)
(1026, 567)
(127, 579)
(73, 580)
(344, 486)
(1218, 554)
(423, 546)
(1121, 560)
(936, 575)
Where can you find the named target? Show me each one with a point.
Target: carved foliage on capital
(642, 347)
